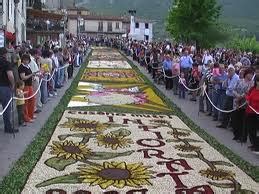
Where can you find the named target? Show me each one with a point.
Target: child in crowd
(182, 82)
(20, 103)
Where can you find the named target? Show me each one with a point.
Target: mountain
(241, 14)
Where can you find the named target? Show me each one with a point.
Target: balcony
(44, 21)
(44, 25)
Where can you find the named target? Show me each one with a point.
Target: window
(109, 27)
(117, 25)
(29, 3)
(137, 25)
(100, 26)
(146, 26)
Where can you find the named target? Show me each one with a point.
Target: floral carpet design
(126, 96)
(98, 152)
(147, 152)
(109, 64)
(111, 75)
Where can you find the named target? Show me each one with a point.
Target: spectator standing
(182, 89)
(252, 119)
(27, 76)
(231, 83)
(46, 68)
(207, 58)
(240, 91)
(219, 92)
(7, 85)
(186, 64)
(176, 73)
(168, 66)
(20, 102)
(66, 59)
(35, 82)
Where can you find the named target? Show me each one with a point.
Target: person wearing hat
(7, 86)
(230, 83)
(26, 75)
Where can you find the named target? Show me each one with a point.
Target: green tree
(195, 21)
(243, 43)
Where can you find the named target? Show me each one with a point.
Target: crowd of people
(224, 82)
(32, 76)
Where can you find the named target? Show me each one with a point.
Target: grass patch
(248, 168)
(14, 182)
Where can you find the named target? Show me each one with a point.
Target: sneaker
(34, 117)
(24, 124)
(50, 95)
(55, 93)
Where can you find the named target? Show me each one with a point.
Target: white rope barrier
(192, 90)
(220, 110)
(27, 98)
(169, 77)
(8, 104)
(253, 110)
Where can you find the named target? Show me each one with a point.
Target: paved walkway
(11, 149)
(222, 135)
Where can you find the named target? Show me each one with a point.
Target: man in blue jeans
(7, 86)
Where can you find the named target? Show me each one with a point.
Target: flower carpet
(133, 144)
(111, 75)
(126, 96)
(98, 152)
(109, 64)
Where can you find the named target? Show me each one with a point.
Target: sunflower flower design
(113, 141)
(217, 174)
(117, 174)
(69, 149)
(178, 133)
(187, 148)
(83, 125)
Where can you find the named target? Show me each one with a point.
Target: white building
(96, 25)
(141, 30)
(13, 18)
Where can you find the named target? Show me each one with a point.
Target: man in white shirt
(35, 68)
(206, 58)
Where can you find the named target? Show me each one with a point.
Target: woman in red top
(252, 118)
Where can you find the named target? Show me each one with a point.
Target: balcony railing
(44, 25)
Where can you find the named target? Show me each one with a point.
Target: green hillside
(241, 14)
